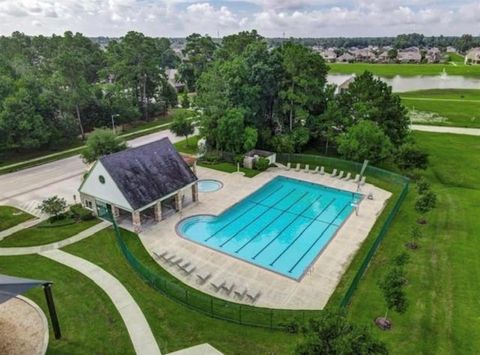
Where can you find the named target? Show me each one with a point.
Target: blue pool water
(283, 226)
(209, 185)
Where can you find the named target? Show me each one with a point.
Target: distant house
(365, 55)
(344, 85)
(384, 57)
(329, 55)
(346, 57)
(433, 55)
(451, 49)
(140, 184)
(409, 55)
(473, 56)
(172, 77)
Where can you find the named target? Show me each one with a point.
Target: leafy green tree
(136, 63)
(182, 125)
(422, 185)
(250, 138)
(283, 143)
(426, 202)
(54, 207)
(303, 83)
(101, 142)
(410, 156)
(392, 54)
(185, 100)
(262, 164)
(332, 334)
(231, 128)
(393, 288)
(198, 53)
(369, 98)
(364, 140)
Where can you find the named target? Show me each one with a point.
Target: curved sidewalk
(52, 246)
(445, 129)
(140, 333)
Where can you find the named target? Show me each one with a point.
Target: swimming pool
(283, 226)
(209, 185)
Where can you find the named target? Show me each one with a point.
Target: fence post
(186, 296)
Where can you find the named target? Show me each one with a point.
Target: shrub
(78, 212)
(422, 186)
(425, 202)
(262, 164)
(410, 156)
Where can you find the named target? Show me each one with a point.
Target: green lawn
(390, 70)
(229, 168)
(190, 148)
(460, 107)
(11, 216)
(457, 58)
(46, 233)
(176, 326)
(89, 322)
(444, 274)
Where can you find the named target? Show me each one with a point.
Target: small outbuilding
(141, 184)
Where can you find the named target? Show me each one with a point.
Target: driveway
(27, 188)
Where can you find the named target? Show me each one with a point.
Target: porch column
(137, 223)
(115, 212)
(194, 167)
(158, 211)
(195, 192)
(178, 201)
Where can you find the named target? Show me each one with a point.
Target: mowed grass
(89, 322)
(11, 216)
(45, 233)
(444, 274)
(189, 146)
(460, 106)
(391, 70)
(175, 326)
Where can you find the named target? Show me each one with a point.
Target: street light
(113, 121)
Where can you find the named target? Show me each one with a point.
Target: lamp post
(113, 121)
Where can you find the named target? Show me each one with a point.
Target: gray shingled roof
(149, 172)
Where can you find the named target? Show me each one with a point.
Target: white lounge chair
(322, 171)
(240, 293)
(362, 182)
(252, 297)
(297, 168)
(176, 260)
(340, 176)
(334, 173)
(161, 256)
(190, 269)
(348, 177)
(315, 171)
(307, 169)
(217, 284)
(203, 277)
(170, 258)
(228, 287)
(289, 166)
(357, 178)
(184, 265)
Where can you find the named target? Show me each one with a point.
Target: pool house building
(141, 185)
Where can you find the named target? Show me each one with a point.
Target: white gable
(107, 191)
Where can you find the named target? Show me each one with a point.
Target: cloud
(270, 17)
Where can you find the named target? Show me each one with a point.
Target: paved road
(444, 129)
(61, 177)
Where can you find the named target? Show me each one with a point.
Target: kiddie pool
(209, 185)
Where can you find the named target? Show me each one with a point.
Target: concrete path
(444, 129)
(202, 349)
(27, 224)
(140, 333)
(52, 246)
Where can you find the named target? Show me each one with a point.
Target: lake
(402, 83)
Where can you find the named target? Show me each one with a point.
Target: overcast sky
(272, 18)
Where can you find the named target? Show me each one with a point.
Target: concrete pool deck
(319, 282)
